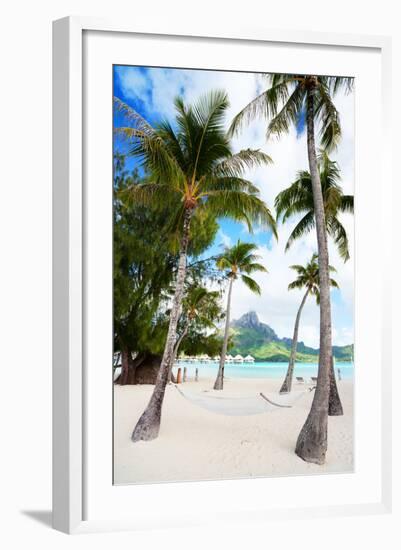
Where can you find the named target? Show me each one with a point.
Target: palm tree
(307, 278)
(239, 261)
(298, 199)
(191, 168)
(199, 306)
(288, 98)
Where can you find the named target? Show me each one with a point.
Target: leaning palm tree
(288, 98)
(192, 169)
(307, 278)
(298, 199)
(239, 261)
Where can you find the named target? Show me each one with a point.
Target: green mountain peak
(250, 336)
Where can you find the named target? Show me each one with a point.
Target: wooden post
(179, 379)
(184, 379)
(196, 375)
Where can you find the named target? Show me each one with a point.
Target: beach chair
(314, 379)
(300, 380)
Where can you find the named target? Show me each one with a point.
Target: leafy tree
(288, 98)
(307, 278)
(239, 261)
(298, 199)
(145, 261)
(198, 343)
(201, 310)
(192, 170)
(142, 273)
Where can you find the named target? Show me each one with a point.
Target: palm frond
(329, 117)
(241, 206)
(337, 231)
(209, 113)
(296, 285)
(251, 284)
(253, 267)
(296, 199)
(347, 204)
(264, 105)
(288, 115)
(337, 83)
(133, 117)
(308, 277)
(236, 164)
(152, 152)
(147, 194)
(303, 227)
(227, 183)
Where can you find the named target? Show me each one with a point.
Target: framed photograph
(217, 197)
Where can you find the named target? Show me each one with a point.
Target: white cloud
(134, 84)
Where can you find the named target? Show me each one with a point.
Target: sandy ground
(195, 444)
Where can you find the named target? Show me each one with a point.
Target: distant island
(250, 336)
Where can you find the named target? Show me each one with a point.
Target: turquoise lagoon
(261, 369)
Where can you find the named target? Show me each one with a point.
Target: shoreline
(196, 444)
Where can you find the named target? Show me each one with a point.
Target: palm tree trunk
(335, 405)
(218, 385)
(176, 347)
(312, 441)
(287, 384)
(148, 425)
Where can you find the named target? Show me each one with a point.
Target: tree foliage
(192, 165)
(283, 104)
(298, 199)
(240, 261)
(308, 277)
(145, 259)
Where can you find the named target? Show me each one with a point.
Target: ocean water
(262, 369)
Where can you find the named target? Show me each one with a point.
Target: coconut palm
(239, 261)
(191, 168)
(287, 100)
(200, 306)
(307, 278)
(298, 199)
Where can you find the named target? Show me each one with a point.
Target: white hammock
(242, 406)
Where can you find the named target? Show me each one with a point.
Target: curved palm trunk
(218, 385)
(312, 441)
(176, 347)
(148, 425)
(287, 384)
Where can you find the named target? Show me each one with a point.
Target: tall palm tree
(191, 168)
(307, 278)
(239, 261)
(288, 98)
(298, 199)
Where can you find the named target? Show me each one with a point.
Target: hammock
(242, 406)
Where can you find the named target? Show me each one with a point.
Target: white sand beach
(195, 444)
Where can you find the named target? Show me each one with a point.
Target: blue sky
(151, 91)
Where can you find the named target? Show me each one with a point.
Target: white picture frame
(70, 258)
